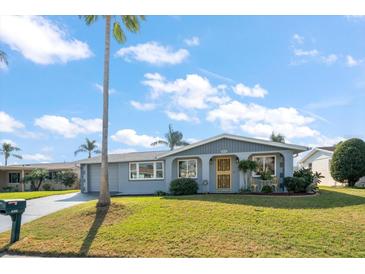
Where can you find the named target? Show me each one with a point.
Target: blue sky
(301, 76)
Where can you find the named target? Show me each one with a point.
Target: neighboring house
(319, 160)
(13, 175)
(212, 162)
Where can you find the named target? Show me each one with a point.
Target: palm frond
(3, 57)
(17, 156)
(118, 33)
(182, 143)
(79, 150)
(131, 22)
(159, 142)
(97, 151)
(89, 19)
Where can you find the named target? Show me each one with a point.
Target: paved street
(40, 207)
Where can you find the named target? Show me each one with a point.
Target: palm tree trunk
(6, 160)
(89, 154)
(104, 197)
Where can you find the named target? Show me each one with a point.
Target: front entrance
(223, 173)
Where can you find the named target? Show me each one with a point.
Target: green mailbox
(14, 208)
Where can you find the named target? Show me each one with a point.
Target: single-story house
(212, 162)
(319, 160)
(13, 175)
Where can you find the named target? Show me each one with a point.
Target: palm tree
(173, 138)
(131, 23)
(277, 137)
(3, 57)
(89, 147)
(7, 150)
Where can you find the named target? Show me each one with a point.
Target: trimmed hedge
(183, 186)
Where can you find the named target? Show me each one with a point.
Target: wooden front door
(223, 171)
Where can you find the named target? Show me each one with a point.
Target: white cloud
(298, 39)
(153, 53)
(330, 59)
(181, 116)
(193, 41)
(36, 157)
(41, 40)
(256, 91)
(143, 106)
(131, 138)
(261, 121)
(307, 53)
(216, 75)
(100, 89)
(351, 61)
(193, 92)
(122, 150)
(68, 128)
(8, 123)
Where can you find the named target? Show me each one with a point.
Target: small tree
(247, 166)
(36, 177)
(67, 178)
(348, 161)
(277, 137)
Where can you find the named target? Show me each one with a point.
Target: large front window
(265, 163)
(188, 168)
(146, 171)
(14, 177)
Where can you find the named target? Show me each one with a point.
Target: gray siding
(199, 179)
(127, 186)
(119, 180)
(227, 146)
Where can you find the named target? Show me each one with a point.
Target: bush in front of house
(348, 161)
(183, 186)
(47, 186)
(160, 193)
(266, 189)
(67, 178)
(296, 184)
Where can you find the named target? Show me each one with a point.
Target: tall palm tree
(89, 147)
(7, 150)
(277, 137)
(131, 23)
(3, 57)
(173, 138)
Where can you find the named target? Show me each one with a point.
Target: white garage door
(94, 177)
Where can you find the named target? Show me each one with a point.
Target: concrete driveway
(40, 207)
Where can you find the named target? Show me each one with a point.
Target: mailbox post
(13, 208)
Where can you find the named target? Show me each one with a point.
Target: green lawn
(331, 224)
(33, 194)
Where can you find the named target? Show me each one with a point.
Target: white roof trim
(311, 153)
(238, 138)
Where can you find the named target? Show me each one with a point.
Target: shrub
(67, 178)
(36, 177)
(245, 190)
(266, 189)
(308, 175)
(296, 184)
(47, 186)
(183, 186)
(348, 161)
(160, 193)
(10, 189)
(265, 175)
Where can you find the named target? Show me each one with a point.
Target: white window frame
(254, 174)
(154, 171)
(185, 160)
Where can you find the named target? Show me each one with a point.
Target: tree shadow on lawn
(326, 199)
(100, 215)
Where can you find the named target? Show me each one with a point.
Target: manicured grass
(331, 224)
(34, 194)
